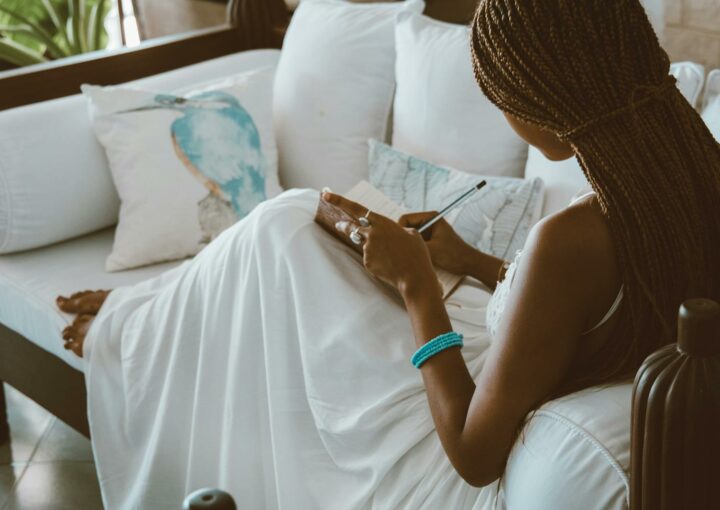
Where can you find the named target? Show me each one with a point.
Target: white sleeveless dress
(271, 366)
(496, 306)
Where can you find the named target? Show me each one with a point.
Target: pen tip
(481, 184)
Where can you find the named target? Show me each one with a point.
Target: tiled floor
(47, 465)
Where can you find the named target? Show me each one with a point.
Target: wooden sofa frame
(252, 24)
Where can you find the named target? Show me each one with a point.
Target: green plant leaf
(53, 14)
(15, 29)
(57, 22)
(70, 31)
(38, 31)
(19, 55)
(100, 11)
(77, 15)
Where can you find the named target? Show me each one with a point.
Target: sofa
(578, 444)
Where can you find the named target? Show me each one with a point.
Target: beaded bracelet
(436, 345)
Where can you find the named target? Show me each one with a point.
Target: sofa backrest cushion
(690, 79)
(334, 90)
(55, 181)
(440, 114)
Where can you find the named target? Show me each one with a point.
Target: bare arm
(536, 344)
(554, 290)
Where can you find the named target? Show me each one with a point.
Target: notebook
(368, 196)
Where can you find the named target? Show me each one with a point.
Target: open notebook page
(367, 195)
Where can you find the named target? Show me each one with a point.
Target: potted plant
(37, 31)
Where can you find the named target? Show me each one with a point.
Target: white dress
(273, 367)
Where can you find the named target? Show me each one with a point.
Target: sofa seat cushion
(574, 452)
(30, 282)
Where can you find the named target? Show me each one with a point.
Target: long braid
(593, 72)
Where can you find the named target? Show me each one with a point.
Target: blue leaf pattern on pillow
(496, 220)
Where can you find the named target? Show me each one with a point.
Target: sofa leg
(4, 427)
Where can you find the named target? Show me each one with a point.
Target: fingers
(415, 220)
(347, 228)
(349, 206)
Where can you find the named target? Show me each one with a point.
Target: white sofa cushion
(440, 114)
(188, 167)
(55, 182)
(573, 453)
(690, 79)
(711, 116)
(30, 282)
(711, 102)
(563, 179)
(334, 89)
(712, 88)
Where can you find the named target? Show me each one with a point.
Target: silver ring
(355, 236)
(365, 220)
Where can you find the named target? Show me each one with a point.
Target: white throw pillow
(334, 90)
(563, 179)
(690, 79)
(712, 88)
(496, 220)
(186, 168)
(440, 113)
(711, 116)
(55, 182)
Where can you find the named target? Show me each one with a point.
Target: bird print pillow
(186, 167)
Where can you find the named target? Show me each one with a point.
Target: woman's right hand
(447, 248)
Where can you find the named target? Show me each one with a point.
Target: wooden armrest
(676, 417)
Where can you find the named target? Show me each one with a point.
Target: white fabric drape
(273, 367)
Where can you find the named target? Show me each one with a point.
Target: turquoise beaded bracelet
(436, 345)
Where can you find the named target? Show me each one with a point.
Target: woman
(319, 356)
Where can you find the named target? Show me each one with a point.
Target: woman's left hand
(396, 255)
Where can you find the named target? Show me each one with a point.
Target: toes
(68, 305)
(85, 302)
(68, 333)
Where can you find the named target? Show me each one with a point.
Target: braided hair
(593, 72)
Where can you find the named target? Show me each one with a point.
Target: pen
(462, 198)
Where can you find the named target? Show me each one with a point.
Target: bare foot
(74, 335)
(85, 302)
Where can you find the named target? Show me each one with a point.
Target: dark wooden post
(260, 24)
(4, 427)
(676, 418)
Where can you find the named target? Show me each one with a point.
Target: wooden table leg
(4, 427)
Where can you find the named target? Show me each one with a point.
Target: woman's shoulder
(578, 233)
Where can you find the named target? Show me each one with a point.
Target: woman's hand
(396, 255)
(447, 249)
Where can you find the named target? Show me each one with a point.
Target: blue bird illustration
(217, 140)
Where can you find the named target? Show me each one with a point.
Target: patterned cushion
(496, 220)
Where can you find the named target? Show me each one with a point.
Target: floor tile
(28, 421)
(8, 476)
(57, 486)
(63, 443)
